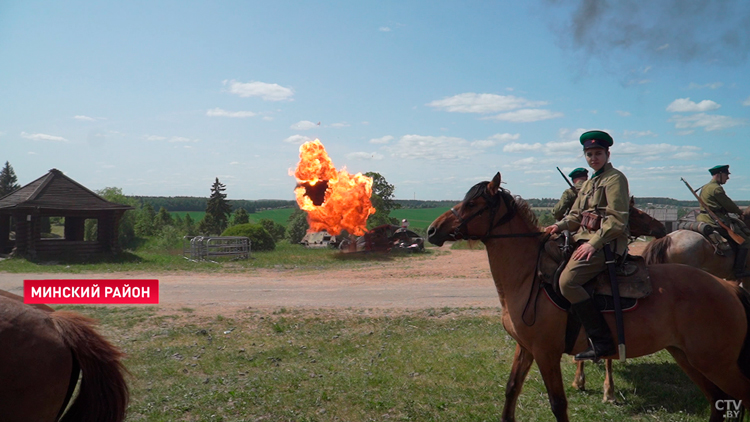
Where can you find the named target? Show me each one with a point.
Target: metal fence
(207, 248)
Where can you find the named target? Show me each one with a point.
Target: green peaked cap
(578, 173)
(596, 139)
(719, 169)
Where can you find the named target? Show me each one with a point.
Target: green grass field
(354, 365)
(418, 218)
(280, 215)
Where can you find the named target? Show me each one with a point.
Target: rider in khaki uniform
(599, 216)
(717, 200)
(578, 176)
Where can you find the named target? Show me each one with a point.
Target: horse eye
(471, 204)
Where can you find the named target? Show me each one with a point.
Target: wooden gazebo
(56, 195)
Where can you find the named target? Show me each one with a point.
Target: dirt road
(458, 278)
(449, 278)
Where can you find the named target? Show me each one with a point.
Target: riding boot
(739, 263)
(600, 338)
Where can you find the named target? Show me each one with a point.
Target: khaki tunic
(607, 194)
(566, 201)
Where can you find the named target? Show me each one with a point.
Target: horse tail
(744, 359)
(656, 251)
(103, 394)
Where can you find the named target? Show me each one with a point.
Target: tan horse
(41, 354)
(690, 313)
(691, 248)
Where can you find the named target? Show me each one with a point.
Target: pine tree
(218, 209)
(8, 180)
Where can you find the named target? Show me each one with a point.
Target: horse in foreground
(41, 354)
(701, 320)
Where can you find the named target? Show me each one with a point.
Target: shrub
(276, 230)
(260, 239)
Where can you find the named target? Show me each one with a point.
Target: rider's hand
(552, 229)
(584, 252)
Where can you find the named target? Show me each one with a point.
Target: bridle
(491, 203)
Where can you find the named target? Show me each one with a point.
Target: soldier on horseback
(716, 199)
(599, 216)
(578, 176)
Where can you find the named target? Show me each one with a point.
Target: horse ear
(494, 185)
(632, 201)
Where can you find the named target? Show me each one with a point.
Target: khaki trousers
(578, 273)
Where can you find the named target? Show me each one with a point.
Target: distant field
(280, 215)
(418, 218)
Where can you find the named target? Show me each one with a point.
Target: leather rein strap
(492, 203)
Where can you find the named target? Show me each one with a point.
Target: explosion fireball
(334, 200)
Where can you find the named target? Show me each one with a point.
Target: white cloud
(268, 92)
(382, 140)
(43, 137)
(662, 47)
(340, 125)
(471, 102)
(517, 147)
(217, 112)
(708, 122)
(155, 138)
(84, 118)
(418, 147)
(684, 105)
(303, 125)
(637, 134)
(527, 115)
(713, 85)
(364, 156)
(298, 139)
(498, 138)
(746, 102)
(384, 29)
(234, 163)
(623, 113)
(180, 139)
(267, 118)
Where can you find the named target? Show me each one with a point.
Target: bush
(260, 239)
(276, 230)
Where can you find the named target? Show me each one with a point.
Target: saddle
(632, 277)
(720, 243)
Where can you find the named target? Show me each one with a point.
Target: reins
(492, 204)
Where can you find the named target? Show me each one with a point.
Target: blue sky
(159, 97)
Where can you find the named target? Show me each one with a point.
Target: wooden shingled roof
(56, 191)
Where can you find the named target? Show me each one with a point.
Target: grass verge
(358, 365)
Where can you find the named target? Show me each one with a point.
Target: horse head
(485, 207)
(642, 224)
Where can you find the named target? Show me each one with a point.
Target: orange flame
(334, 200)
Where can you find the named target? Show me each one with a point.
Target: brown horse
(640, 224)
(691, 248)
(41, 354)
(692, 320)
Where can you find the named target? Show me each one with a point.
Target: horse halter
(492, 203)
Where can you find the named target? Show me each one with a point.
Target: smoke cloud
(677, 31)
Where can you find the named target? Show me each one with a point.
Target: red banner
(81, 291)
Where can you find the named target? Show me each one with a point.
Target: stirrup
(592, 355)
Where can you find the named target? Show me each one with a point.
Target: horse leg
(579, 380)
(609, 383)
(522, 361)
(710, 390)
(549, 367)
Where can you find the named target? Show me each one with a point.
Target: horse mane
(524, 209)
(656, 251)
